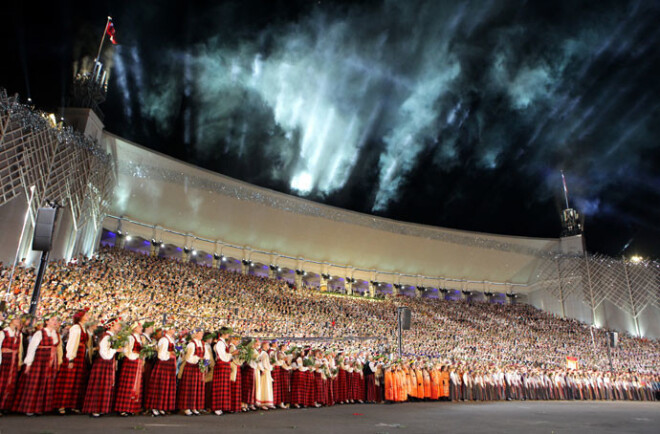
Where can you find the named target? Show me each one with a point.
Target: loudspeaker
(404, 313)
(613, 339)
(43, 229)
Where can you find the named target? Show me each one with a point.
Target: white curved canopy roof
(158, 190)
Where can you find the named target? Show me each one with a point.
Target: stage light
(224, 259)
(128, 238)
(636, 259)
(162, 245)
(194, 252)
(279, 269)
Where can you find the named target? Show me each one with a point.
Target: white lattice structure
(64, 166)
(605, 291)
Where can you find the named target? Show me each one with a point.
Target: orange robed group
(404, 382)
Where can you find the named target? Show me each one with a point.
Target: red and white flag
(110, 31)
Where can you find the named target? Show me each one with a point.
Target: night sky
(456, 114)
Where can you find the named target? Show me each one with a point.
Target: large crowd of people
(125, 332)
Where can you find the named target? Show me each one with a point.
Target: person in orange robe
(396, 384)
(405, 385)
(419, 376)
(427, 383)
(435, 383)
(412, 382)
(389, 385)
(400, 385)
(444, 378)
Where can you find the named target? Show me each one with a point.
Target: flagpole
(105, 31)
(563, 180)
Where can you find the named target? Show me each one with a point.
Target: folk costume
(130, 381)
(11, 345)
(264, 396)
(370, 379)
(235, 380)
(299, 384)
(276, 373)
(248, 384)
(208, 377)
(101, 386)
(37, 383)
(161, 395)
(190, 393)
(73, 375)
(149, 363)
(221, 385)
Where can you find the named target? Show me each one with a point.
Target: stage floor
(424, 417)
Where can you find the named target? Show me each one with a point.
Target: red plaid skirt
(354, 386)
(34, 391)
(71, 383)
(247, 385)
(299, 387)
(372, 392)
(146, 375)
(335, 390)
(236, 392)
(8, 378)
(221, 387)
(285, 388)
(360, 390)
(190, 393)
(128, 396)
(161, 394)
(277, 384)
(330, 391)
(343, 386)
(100, 388)
(319, 388)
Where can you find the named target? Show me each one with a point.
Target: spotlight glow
(302, 183)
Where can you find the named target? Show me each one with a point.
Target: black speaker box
(613, 339)
(43, 229)
(405, 318)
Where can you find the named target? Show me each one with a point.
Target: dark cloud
(451, 113)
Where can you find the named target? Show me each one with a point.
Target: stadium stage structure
(120, 193)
